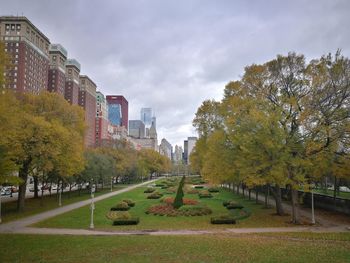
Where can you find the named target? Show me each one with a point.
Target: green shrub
(225, 219)
(154, 195)
(205, 194)
(192, 191)
(114, 215)
(178, 202)
(121, 206)
(123, 222)
(130, 202)
(231, 204)
(149, 190)
(199, 186)
(239, 214)
(159, 185)
(213, 189)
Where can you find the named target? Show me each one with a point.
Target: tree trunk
(36, 188)
(70, 190)
(295, 207)
(256, 195)
(335, 193)
(278, 198)
(266, 201)
(42, 197)
(237, 189)
(249, 191)
(243, 190)
(23, 174)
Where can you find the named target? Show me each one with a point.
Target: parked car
(5, 191)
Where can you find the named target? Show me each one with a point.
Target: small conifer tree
(178, 202)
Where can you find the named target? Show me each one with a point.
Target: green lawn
(35, 206)
(79, 218)
(204, 248)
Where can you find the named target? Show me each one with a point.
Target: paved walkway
(18, 226)
(23, 225)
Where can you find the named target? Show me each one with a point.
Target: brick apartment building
(57, 70)
(29, 49)
(71, 93)
(87, 100)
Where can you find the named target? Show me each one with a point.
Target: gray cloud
(171, 55)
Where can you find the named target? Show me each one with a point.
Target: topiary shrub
(178, 202)
(199, 186)
(149, 190)
(123, 222)
(205, 194)
(114, 215)
(185, 210)
(130, 202)
(232, 204)
(213, 189)
(121, 206)
(225, 219)
(154, 195)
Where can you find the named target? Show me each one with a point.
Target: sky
(172, 55)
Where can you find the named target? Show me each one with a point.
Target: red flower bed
(186, 201)
(162, 210)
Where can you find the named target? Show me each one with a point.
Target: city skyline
(192, 51)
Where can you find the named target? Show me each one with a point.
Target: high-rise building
(136, 129)
(71, 92)
(101, 125)
(166, 149)
(177, 158)
(57, 69)
(146, 116)
(185, 153)
(87, 100)
(118, 115)
(29, 49)
(191, 144)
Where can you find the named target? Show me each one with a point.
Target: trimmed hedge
(205, 194)
(185, 210)
(149, 190)
(130, 202)
(199, 186)
(121, 206)
(213, 189)
(114, 215)
(232, 204)
(155, 195)
(124, 222)
(223, 220)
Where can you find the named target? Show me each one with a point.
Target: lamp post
(0, 204)
(312, 207)
(92, 207)
(60, 194)
(111, 184)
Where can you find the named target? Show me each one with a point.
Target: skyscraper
(146, 116)
(57, 70)
(101, 132)
(114, 111)
(71, 92)
(191, 143)
(87, 100)
(136, 129)
(29, 49)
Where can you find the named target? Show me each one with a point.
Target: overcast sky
(171, 55)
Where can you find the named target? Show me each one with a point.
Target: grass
(345, 195)
(204, 248)
(79, 218)
(35, 206)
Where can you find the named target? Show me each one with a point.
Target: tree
(178, 201)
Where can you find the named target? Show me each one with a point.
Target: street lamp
(92, 206)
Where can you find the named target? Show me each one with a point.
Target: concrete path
(18, 226)
(23, 225)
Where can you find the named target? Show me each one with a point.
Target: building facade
(29, 49)
(177, 157)
(101, 122)
(87, 100)
(146, 116)
(123, 109)
(166, 149)
(72, 85)
(191, 143)
(136, 129)
(57, 69)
